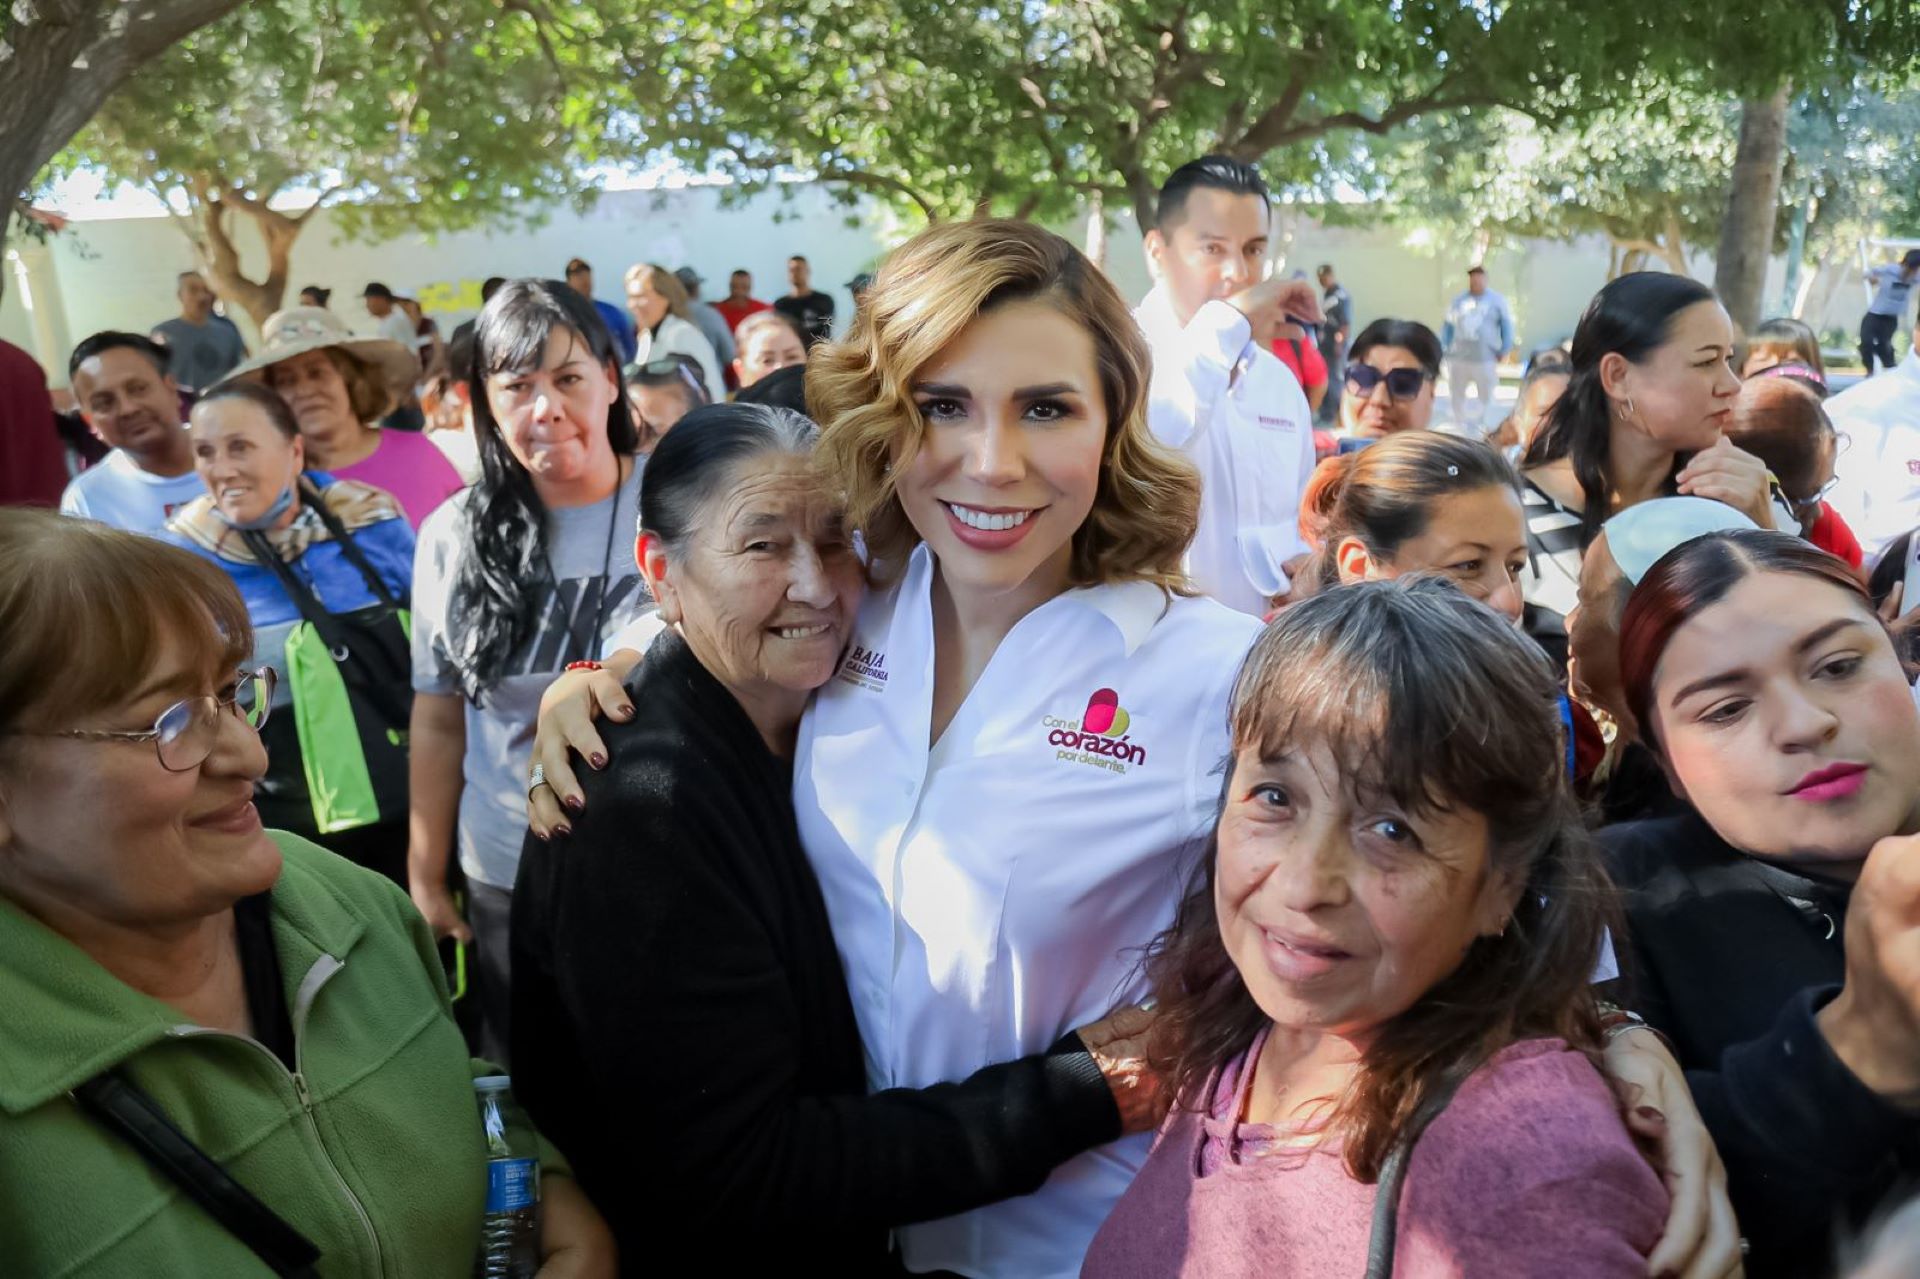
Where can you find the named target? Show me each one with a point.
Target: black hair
(489, 287)
(114, 339)
(262, 397)
(321, 295)
(460, 354)
(694, 460)
(799, 257)
(687, 374)
(1630, 317)
(739, 270)
(1324, 266)
(1410, 335)
(1549, 359)
(491, 608)
(1214, 173)
(783, 388)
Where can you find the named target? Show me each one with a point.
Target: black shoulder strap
(1393, 1174)
(303, 599)
(137, 1119)
(312, 497)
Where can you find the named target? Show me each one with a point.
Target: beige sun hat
(300, 329)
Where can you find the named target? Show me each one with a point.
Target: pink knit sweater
(1529, 1172)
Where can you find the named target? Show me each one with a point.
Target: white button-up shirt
(990, 892)
(1240, 415)
(1878, 488)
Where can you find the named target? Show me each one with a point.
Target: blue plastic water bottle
(510, 1232)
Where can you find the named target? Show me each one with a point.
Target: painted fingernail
(1649, 1113)
(597, 760)
(540, 834)
(575, 803)
(563, 829)
(626, 712)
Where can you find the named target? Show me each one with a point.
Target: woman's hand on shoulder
(575, 1242)
(565, 729)
(1118, 1043)
(1702, 1238)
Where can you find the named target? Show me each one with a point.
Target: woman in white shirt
(662, 314)
(1003, 785)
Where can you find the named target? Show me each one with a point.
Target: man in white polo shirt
(130, 400)
(1877, 476)
(1218, 393)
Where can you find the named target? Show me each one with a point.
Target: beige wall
(120, 274)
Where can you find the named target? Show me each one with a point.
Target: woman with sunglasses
(277, 1007)
(1781, 422)
(660, 393)
(1391, 373)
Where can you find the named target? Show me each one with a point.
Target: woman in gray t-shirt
(528, 570)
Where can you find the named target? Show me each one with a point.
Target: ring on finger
(537, 779)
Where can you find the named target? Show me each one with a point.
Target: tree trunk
(59, 65)
(1097, 230)
(1753, 201)
(220, 256)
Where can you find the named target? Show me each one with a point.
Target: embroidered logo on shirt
(865, 668)
(1278, 423)
(1099, 737)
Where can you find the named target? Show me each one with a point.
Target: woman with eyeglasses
(1782, 423)
(171, 967)
(325, 566)
(660, 393)
(1391, 373)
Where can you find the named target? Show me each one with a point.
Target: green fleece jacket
(372, 1149)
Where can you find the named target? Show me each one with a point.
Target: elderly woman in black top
(1774, 923)
(682, 1027)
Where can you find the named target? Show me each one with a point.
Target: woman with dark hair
(1391, 372)
(701, 896)
(1772, 923)
(1781, 422)
(1388, 945)
(1643, 415)
(1544, 382)
(660, 393)
(515, 578)
(302, 544)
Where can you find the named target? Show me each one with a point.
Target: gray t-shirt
(597, 580)
(1893, 287)
(200, 354)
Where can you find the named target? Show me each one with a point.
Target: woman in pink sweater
(1400, 898)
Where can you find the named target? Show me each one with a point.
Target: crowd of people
(994, 791)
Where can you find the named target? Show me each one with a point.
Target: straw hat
(300, 329)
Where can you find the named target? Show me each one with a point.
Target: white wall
(120, 273)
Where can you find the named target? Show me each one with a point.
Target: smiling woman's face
(1009, 463)
(100, 831)
(766, 588)
(1339, 910)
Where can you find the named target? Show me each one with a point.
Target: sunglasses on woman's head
(1402, 384)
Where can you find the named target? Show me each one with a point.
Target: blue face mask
(267, 518)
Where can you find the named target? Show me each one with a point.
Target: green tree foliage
(1032, 108)
(399, 115)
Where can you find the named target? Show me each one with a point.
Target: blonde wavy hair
(927, 292)
(665, 283)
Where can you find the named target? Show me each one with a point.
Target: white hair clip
(1454, 471)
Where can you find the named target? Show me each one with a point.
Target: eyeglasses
(184, 735)
(1402, 384)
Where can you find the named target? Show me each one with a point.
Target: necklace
(606, 558)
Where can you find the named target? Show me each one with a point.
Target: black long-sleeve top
(682, 1028)
(1731, 958)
